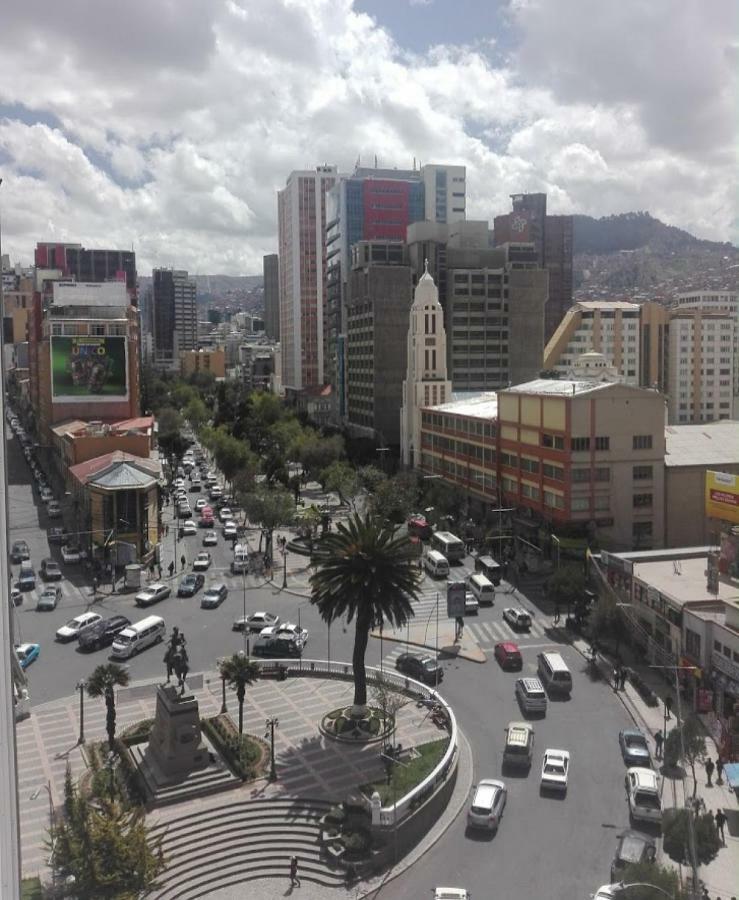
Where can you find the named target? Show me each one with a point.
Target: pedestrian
(709, 767)
(719, 771)
(720, 818)
(556, 613)
(294, 880)
(658, 741)
(183, 561)
(171, 569)
(159, 570)
(615, 678)
(622, 678)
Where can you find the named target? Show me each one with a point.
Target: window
(553, 441)
(642, 500)
(580, 475)
(555, 472)
(641, 530)
(602, 502)
(580, 443)
(642, 442)
(693, 643)
(602, 443)
(553, 500)
(580, 504)
(642, 473)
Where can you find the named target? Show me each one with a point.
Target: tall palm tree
(238, 671)
(365, 571)
(102, 683)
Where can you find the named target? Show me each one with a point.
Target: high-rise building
(271, 270)
(80, 264)
(175, 315)
(552, 236)
(301, 215)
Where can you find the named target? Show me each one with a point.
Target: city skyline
(184, 160)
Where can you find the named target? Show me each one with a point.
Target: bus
(450, 545)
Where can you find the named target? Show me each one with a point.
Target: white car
(517, 617)
(215, 492)
(488, 803)
(54, 510)
(292, 631)
(229, 529)
(608, 892)
(202, 561)
(643, 792)
(152, 594)
(72, 555)
(442, 893)
(189, 528)
(71, 631)
(46, 495)
(210, 539)
(471, 604)
(555, 768)
(225, 514)
(256, 622)
(200, 503)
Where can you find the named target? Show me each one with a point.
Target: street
(565, 844)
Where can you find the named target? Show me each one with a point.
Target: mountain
(635, 256)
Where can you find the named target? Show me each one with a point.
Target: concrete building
(211, 361)
(701, 369)
(426, 382)
(17, 302)
(75, 263)
(175, 313)
(376, 335)
(302, 218)
(271, 272)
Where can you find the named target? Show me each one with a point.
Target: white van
(436, 564)
(241, 559)
(554, 674)
(138, 636)
(482, 588)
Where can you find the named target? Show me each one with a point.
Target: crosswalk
(70, 593)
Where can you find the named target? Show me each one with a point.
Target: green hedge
(241, 752)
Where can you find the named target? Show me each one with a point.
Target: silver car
(488, 802)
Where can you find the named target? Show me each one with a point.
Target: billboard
(455, 591)
(88, 368)
(722, 497)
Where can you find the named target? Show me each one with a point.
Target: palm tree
(238, 671)
(102, 683)
(364, 571)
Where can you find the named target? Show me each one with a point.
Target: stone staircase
(242, 841)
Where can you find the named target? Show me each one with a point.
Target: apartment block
(211, 361)
(175, 315)
(271, 271)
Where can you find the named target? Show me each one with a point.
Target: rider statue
(175, 658)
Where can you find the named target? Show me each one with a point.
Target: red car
(419, 527)
(508, 655)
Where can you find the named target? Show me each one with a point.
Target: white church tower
(425, 382)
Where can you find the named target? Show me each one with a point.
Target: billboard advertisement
(722, 497)
(88, 368)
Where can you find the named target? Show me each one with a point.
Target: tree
(676, 839)
(196, 413)
(385, 695)
(566, 586)
(340, 478)
(316, 453)
(689, 737)
(102, 683)
(608, 621)
(238, 671)
(370, 478)
(269, 508)
(394, 499)
(649, 873)
(365, 572)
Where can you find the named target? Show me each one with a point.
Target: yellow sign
(722, 497)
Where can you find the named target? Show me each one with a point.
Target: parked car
(57, 534)
(256, 622)
(555, 769)
(420, 666)
(214, 596)
(202, 561)
(643, 793)
(73, 628)
(633, 848)
(190, 584)
(230, 530)
(152, 594)
(72, 554)
(210, 539)
(634, 747)
(517, 618)
(16, 596)
(19, 552)
(49, 598)
(50, 570)
(102, 633)
(508, 655)
(26, 654)
(488, 803)
(54, 510)
(451, 893)
(224, 513)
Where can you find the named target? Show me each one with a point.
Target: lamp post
(270, 725)
(224, 708)
(80, 686)
(284, 567)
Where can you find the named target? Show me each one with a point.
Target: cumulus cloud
(171, 128)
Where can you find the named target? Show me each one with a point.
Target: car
(57, 534)
(230, 530)
(49, 598)
(179, 482)
(420, 666)
(633, 848)
(72, 629)
(224, 513)
(555, 768)
(16, 596)
(72, 553)
(210, 539)
(256, 622)
(195, 485)
(531, 695)
(634, 747)
(517, 618)
(214, 596)
(508, 655)
(215, 492)
(276, 648)
(488, 803)
(608, 892)
(451, 893)
(26, 654)
(102, 633)
(19, 552)
(200, 503)
(54, 510)
(292, 631)
(46, 495)
(152, 594)
(26, 576)
(188, 528)
(643, 793)
(202, 561)
(471, 604)
(190, 584)
(50, 570)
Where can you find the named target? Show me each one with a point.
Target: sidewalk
(721, 875)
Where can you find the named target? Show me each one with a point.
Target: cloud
(171, 128)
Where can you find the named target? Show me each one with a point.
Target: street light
(270, 725)
(80, 686)
(284, 567)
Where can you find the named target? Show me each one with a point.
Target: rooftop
(606, 304)
(712, 443)
(562, 387)
(478, 406)
(683, 581)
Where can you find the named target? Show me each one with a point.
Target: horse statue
(176, 659)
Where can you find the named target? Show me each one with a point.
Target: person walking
(720, 818)
(709, 767)
(622, 678)
(615, 678)
(171, 569)
(294, 879)
(719, 771)
(556, 614)
(658, 741)
(183, 561)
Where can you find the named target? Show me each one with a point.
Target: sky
(169, 125)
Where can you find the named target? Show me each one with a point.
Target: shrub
(675, 824)
(137, 733)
